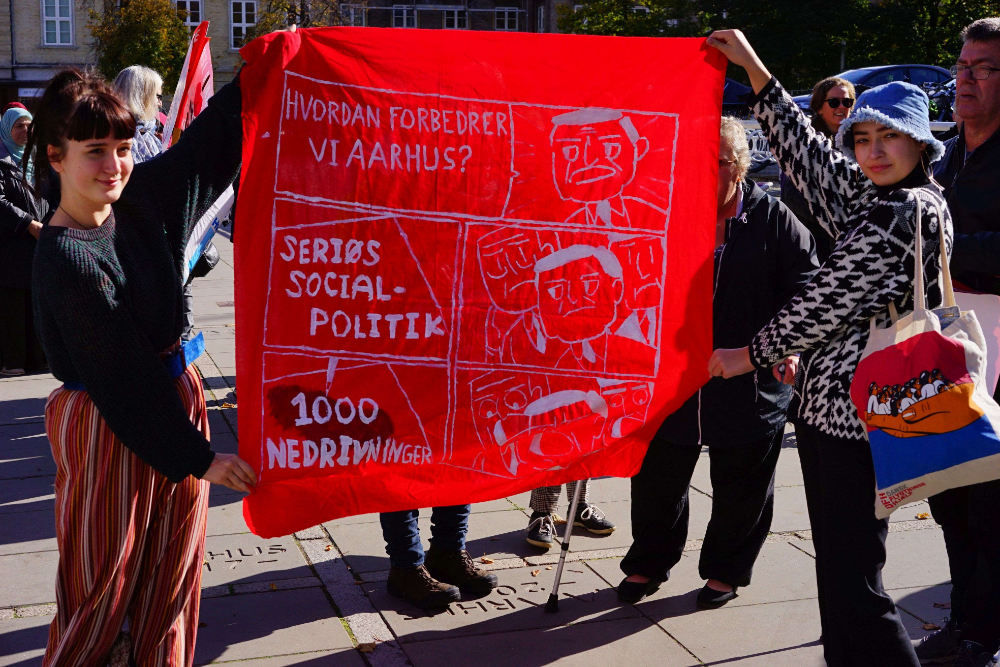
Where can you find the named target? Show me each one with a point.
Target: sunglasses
(835, 102)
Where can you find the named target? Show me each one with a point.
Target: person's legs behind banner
(544, 502)
(410, 572)
(659, 517)
(447, 560)
(742, 509)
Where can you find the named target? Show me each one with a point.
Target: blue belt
(176, 362)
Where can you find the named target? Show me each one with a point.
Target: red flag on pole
(194, 87)
(467, 264)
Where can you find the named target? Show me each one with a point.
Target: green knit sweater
(108, 300)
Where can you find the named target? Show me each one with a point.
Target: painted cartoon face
(498, 403)
(627, 406)
(642, 266)
(594, 161)
(578, 300)
(873, 389)
(567, 402)
(507, 258)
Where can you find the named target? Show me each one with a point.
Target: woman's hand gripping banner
(468, 264)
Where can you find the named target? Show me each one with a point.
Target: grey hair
(983, 30)
(731, 132)
(138, 86)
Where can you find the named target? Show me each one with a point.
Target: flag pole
(552, 605)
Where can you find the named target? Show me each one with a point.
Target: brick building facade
(40, 37)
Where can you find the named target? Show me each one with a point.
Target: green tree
(918, 31)
(801, 41)
(634, 18)
(798, 40)
(140, 32)
(279, 14)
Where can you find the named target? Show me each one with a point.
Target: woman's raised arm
(179, 185)
(829, 181)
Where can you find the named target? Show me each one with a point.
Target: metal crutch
(552, 606)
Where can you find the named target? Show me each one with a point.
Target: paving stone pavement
(318, 597)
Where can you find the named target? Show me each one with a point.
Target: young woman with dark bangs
(128, 428)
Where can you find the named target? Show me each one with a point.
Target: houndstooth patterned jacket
(827, 322)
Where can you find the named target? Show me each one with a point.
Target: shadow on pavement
(561, 636)
(22, 410)
(24, 640)
(775, 652)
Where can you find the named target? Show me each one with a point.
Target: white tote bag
(987, 307)
(920, 388)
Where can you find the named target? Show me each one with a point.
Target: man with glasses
(970, 516)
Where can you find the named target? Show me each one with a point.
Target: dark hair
(983, 30)
(77, 106)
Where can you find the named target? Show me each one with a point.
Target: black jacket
(19, 205)
(797, 204)
(767, 257)
(972, 188)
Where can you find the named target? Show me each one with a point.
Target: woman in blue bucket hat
(866, 198)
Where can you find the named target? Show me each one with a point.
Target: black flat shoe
(709, 598)
(634, 591)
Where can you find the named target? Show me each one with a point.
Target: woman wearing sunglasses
(831, 102)
(867, 196)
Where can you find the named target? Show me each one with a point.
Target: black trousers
(970, 519)
(861, 626)
(742, 508)
(19, 345)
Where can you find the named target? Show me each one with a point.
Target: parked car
(734, 99)
(869, 77)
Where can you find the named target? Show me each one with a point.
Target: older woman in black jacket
(763, 258)
(21, 208)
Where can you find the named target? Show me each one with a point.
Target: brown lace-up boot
(416, 585)
(457, 567)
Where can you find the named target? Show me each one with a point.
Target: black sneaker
(416, 585)
(458, 568)
(971, 654)
(941, 647)
(541, 530)
(593, 519)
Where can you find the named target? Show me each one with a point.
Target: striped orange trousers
(131, 542)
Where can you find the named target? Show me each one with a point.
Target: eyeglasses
(979, 72)
(726, 163)
(835, 102)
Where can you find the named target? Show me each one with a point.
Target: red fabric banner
(468, 264)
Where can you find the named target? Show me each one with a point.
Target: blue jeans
(402, 535)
